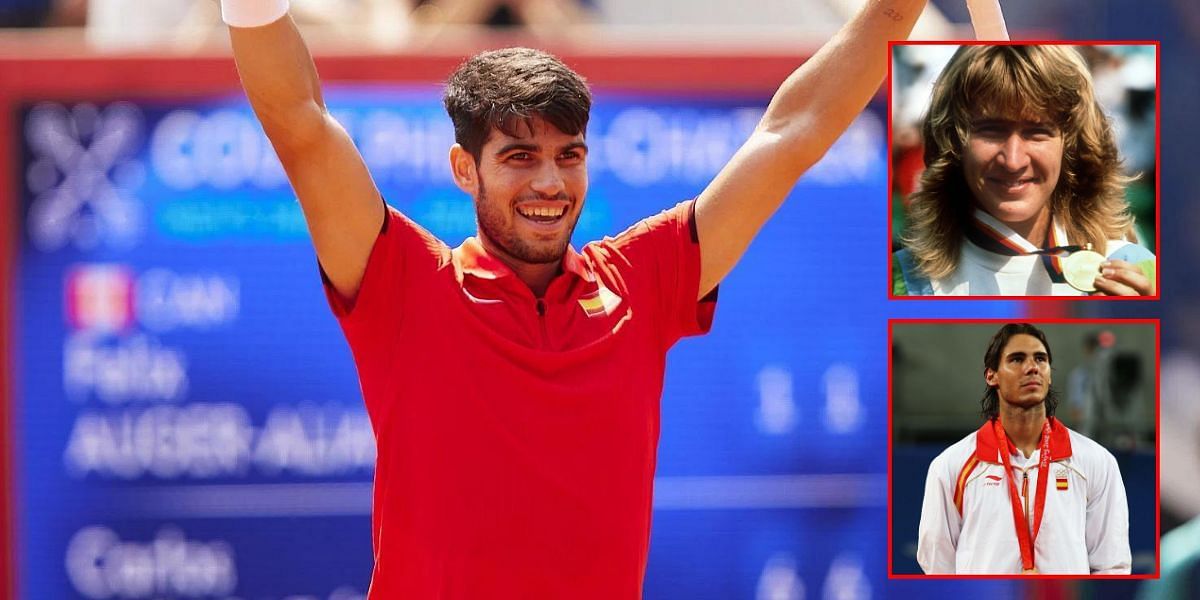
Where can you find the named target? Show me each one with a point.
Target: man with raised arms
(1023, 494)
(513, 382)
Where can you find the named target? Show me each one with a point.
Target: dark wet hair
(504, 88)
(991, 360)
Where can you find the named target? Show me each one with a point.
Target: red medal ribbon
(1025, 538)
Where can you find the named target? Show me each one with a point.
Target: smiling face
(1023, 376)
(1011, 166)
(528, 189)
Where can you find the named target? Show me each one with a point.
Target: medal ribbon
(1025, 538)
(989, 233)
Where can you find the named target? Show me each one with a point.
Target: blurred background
(1104, 375)
(180, 415)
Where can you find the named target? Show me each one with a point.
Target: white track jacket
(967, 521)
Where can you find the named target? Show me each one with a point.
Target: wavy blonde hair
(1050, 82)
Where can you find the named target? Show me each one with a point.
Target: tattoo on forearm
(893, 14)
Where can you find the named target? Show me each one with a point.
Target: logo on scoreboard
(81, 174)
(99, 298)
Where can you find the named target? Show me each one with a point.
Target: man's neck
(536, 276)
(1023, 425)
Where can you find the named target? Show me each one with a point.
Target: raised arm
(808, 113)
(340, 202)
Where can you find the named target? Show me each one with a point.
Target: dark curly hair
(503, 88)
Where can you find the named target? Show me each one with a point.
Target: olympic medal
(1081, 268)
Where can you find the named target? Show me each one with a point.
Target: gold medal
(1081, 268)
(1032, 571)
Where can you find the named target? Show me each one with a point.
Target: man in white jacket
(1023, 494)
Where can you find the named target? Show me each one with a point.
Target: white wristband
(252, 13)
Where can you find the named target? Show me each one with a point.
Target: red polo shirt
(517, 436)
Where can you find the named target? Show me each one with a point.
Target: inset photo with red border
(1023, 449)
(1024, 169)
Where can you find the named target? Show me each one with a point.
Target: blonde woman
(1021, 173)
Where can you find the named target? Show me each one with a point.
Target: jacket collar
(987, 446)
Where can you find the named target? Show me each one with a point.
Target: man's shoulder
(398, 228)
(395, 216)
(651, 234)
(677, 219)
(956, 455)
(1089, 452)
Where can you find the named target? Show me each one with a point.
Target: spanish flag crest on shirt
(602, 301)
(1060, 479)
